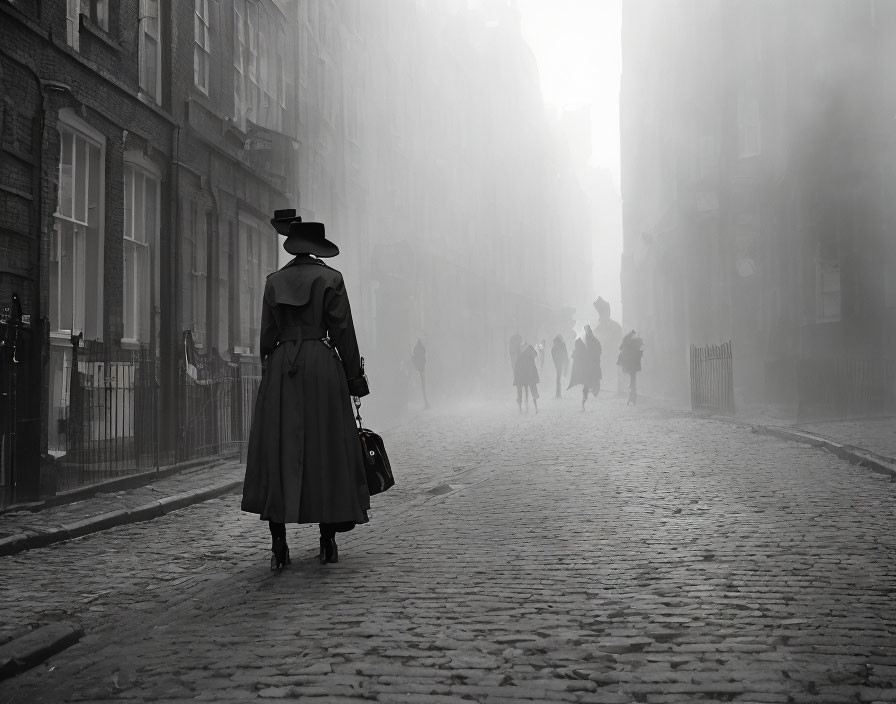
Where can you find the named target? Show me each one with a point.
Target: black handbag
(376, 461)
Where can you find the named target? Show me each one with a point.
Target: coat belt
(297, 332)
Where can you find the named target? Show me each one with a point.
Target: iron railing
(712, 377)
(104, 412)
(845, 388)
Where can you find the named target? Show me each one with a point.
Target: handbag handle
(357, 401)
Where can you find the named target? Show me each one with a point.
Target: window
(240, 61)
(280, 88)
(259, 84)
(150, 59)
(828, 286)
(97, 11)
(72, 23)
(141, 232)
(76, 243)
(252, 91)
(195, 270)
(201, 44)
(258, 257)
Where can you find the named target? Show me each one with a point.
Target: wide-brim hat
(283, 218)
(302, 237)
(309, 238)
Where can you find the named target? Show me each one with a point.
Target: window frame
(73, 24)
(91, 321)
(251, 237)
(827, 260)
(202, 50)
(97, 11)
(144, 24)
(195, 279)
(133, 321)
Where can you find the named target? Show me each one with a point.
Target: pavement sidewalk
(26, 529)
(870, 442)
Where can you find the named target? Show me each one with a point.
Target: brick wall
(99, 84)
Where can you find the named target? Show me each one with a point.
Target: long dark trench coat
(304, 461)
(586, 364)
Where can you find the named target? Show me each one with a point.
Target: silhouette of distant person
(560, 355)
(608, 331)
(630, 352)
(418, 357)
(525, 378)
(586, 365)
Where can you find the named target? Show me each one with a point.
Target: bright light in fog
(577, 46)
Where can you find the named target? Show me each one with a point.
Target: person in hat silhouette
(586, 365)
(304, 462)
(630, 352)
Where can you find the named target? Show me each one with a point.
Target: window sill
(128, 343)
(99, 33)
(148, 99)
(63, 338)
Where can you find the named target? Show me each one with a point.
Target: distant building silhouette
(758, 186)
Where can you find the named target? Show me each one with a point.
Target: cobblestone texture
(56, 517)
(617, 555)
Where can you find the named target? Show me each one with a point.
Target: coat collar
(303, 259)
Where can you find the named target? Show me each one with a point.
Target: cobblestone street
(617, 555)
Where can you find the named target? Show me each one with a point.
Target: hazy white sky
(577, 46)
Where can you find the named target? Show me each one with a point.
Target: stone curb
(126, 483)
(33, 648)
(27, 541)
(850, 453)
(880, 464)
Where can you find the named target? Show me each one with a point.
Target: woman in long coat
(630, 353)
(525, 377)
(561, 359)
(586, 365)
(304, 461)
(595, 350)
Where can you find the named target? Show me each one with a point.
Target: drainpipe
(38, 462)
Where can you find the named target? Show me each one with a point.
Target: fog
(468, 207)
(757, 182)
(483, 196)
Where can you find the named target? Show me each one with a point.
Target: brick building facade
(145, 143)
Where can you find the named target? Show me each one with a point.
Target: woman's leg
(279, 548)
(328, 550)
(278, 530)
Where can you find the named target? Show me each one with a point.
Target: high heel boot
(280, 557)
(328, 550)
